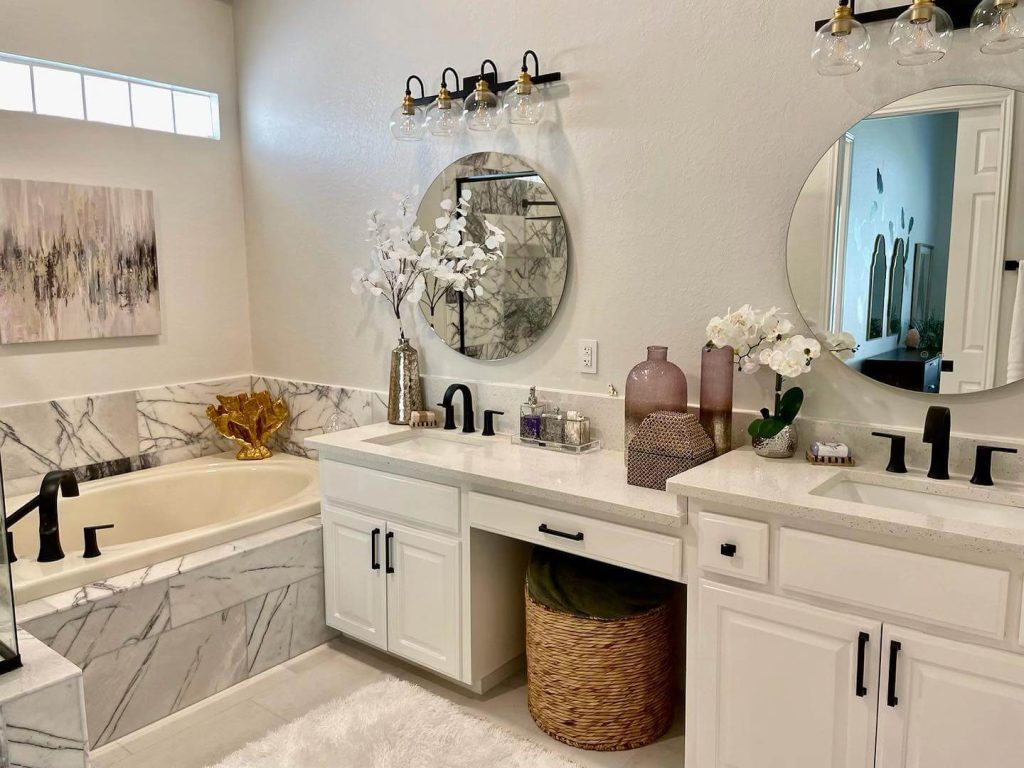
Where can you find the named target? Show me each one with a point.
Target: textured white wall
(677, 148)
(197, 185)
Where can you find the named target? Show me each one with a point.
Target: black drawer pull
(894, 652)
(728, 550)
(374, 562)
(388, 567)
(862, 645)
(578, 536)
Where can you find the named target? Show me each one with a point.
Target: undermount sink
(435, 442)
(910, 500)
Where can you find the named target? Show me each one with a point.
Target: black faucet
(64, 481)
(468, 425)
(937, 425)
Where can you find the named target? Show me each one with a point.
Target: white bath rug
(393, 724)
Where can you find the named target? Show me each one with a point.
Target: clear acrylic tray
(594, 445)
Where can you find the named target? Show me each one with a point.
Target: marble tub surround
(42, 710)
(159, 639)
(595, 481)
(792, 488)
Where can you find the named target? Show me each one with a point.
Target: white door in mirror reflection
(975, 271)
(899, 237)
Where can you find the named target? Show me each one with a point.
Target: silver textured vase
(782, 446)
(405, 393)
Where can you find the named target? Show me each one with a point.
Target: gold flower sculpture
(249, 420)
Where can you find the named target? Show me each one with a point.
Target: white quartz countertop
(785, 487)
(593, 481)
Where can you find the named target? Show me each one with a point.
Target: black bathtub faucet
(59, 480)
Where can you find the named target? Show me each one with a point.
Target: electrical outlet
(587, 356)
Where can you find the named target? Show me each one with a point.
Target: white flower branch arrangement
(405, 255)
(765, 338)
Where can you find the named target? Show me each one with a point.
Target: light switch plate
(587, 356)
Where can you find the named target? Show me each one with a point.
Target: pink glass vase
(653, 385)
(716, 383)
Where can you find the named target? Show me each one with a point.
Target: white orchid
(413, 265)
(843, 345)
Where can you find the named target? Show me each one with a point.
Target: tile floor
(203, 734)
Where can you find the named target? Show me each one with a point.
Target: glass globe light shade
(997, 27)
(524, 102)
(483, 109)
(407, 122)
(444, 118)
(840, 47)
(922, 34)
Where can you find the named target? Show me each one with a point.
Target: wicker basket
(598, 684)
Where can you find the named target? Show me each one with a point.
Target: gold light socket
(524, 85)
(408, 105)
(921, 11)
(482, 86)
(1005, 5)
(444, 98)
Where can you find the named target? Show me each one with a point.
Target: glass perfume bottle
(530, 416)
(552, 428)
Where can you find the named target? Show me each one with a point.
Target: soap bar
(830, 450)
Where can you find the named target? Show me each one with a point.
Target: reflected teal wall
(915, 156)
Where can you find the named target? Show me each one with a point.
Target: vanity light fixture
(841, 45)
(444, 118)
(407, 121)
(997, 27)
(922, 34)
(483, 108)
(524, 102)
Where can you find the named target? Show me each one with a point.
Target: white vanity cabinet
(953, 705)
(391, 581)
(782, 684)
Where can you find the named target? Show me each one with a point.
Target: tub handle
(92, 547)
(388, 568)
(374, 562)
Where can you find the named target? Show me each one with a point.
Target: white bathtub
(163, 513)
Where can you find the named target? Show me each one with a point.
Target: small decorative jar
(530, 417)
(577, 429)
(552, 428)
(782, 446)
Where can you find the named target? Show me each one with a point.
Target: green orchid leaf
(792, 402)
(755, 425)
(769, 428)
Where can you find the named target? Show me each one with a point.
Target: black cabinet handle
(862, 645)
(388, 568)
(374, 561)
(728, 550)
(578, 536)
(894, 652)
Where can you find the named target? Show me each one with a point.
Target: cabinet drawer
(430, 503)
(733, 546)
(612, 543)
(946, 592)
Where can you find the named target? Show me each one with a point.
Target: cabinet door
(782, 684)
(953, 705)
(354, 582)
(423, 598)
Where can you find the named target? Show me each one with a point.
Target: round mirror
(515, 299)
(904, 242)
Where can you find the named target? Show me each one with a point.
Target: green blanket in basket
(589, 589)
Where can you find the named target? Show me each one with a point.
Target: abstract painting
(76, 262)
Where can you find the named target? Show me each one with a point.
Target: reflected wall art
(76, 262)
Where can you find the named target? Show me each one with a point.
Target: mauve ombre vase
(716, 382)
(653, 385)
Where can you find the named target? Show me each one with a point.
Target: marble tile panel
(141, 683)
(64, 434)
(93, 629)
(174, 417)
(214, 587)
(41, 668)
(315, 409)
(285, 623)
(46, 729)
